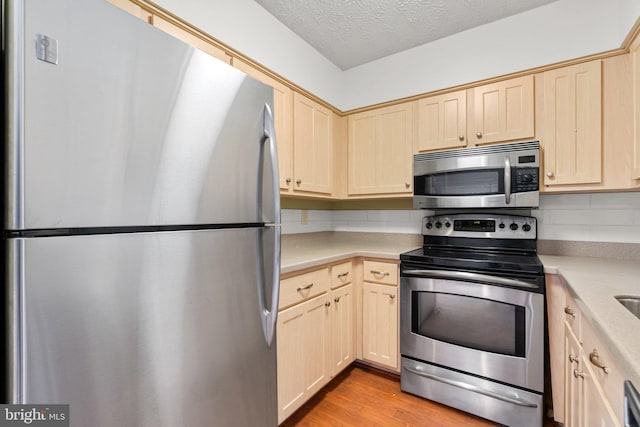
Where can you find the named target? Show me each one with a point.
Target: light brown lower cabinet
(315, 333)
(588, 384)
(380, 315)
(304, 343)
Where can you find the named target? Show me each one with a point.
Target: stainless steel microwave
(495, 176)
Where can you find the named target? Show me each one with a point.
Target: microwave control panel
(527, 179)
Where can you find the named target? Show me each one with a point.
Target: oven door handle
(475, 277)
(472, 388)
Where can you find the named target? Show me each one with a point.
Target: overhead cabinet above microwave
(504, 175)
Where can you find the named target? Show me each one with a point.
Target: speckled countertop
(301, 251)
(594, 282)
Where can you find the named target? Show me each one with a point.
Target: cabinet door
(635, 58)
(362, 157)
(343, 328)
(572, 143)
(380, 324)
(303, 353)
(283, 118)
(395, 147)
(503, 111)
(380, 151)
(442, 121)
(573, 385)
(312, 139)
(596, 409)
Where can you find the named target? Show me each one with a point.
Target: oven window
(471, 322)
(461, 183)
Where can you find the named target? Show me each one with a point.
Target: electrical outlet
(304, 217)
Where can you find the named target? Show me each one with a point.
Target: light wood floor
(360, 396)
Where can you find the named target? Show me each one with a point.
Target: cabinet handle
(306, 288)
(461, 137)
(392, 296)
(570, 312)
(298, 181)
(479, 134)
(288, 180)
(578, 374)
(379, 273)
(573, 358)
(594, 358)
(406, 184)
(340, 276)
(336, 300)
(327, 303)
(550, 174)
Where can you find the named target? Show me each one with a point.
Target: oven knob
(513, 226)
(438, 224)
(526, 227)
(502, 225)
(429, 226)
(447, 224)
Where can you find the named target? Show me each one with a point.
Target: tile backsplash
(595, 217)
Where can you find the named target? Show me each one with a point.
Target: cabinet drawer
(341, 274)
(381, 272)
(596, 354)
(572, 315)
(300, 288)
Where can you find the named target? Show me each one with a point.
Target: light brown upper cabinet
(572, 141)
(380, 151)
(312, 146)
(498, 112)
(442, 121)
(184, 33)
(190, 38)
(283, 118)
(503, 111)
(635, 58)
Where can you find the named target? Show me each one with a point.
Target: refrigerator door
(146, 329)
(129, 126)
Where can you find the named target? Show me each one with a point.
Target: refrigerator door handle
(269, 315)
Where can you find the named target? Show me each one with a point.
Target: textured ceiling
(354, 32)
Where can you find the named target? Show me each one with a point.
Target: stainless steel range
(472, 317)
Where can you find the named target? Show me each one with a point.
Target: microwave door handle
(507, 180)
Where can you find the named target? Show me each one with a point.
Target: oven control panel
(480, 226)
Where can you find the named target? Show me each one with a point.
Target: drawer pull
(340, 276)
(327, 303)
(570, 312)
(379, 273)
(336, 300)
(306, 288)
(578, 374)
(573, 358)
(594, 358)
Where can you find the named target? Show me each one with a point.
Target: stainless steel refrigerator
(141, 223)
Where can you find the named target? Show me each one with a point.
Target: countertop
(302, 251)
(594, 282)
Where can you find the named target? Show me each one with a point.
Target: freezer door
(130, 127)
(147, 330)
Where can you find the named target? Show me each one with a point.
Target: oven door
(492, 331)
